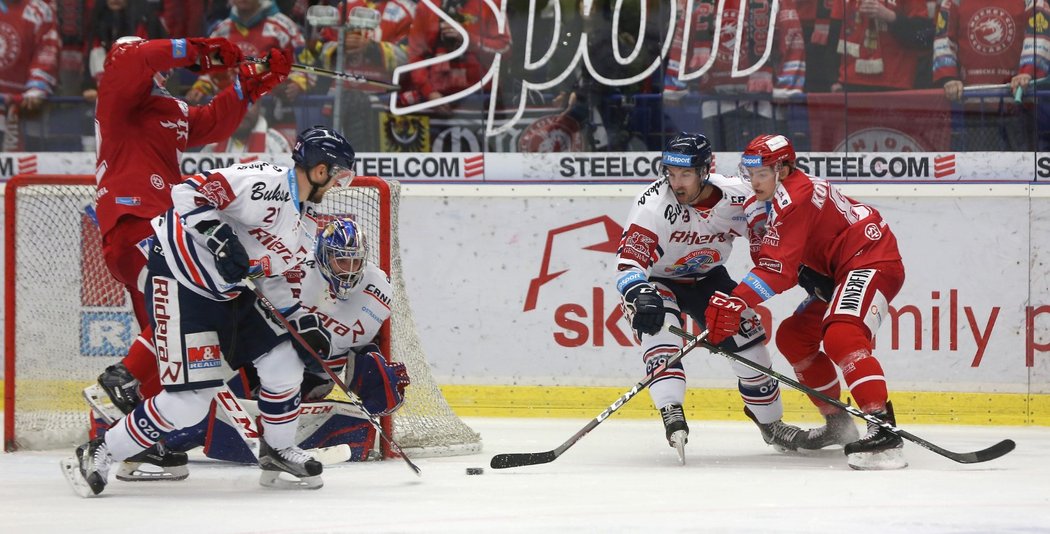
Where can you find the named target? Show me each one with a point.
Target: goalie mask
(342, 253)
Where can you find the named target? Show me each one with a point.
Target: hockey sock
(137, 431)
(850, 349)
(818, 372)
(141, 362)
(760, 393)
(280, 416)
(670, 387)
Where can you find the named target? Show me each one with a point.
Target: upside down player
(844, 254)
(671, 260)
(256, 219)
(352, 296)
(142, 130)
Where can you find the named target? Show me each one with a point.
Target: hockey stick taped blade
(503, 461)
(335, 454)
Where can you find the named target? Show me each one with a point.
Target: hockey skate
(782, 436)
(879, 448)
(166, 465)
(292, 460)
(89, 471)
(838, 430)
(122, 388)
(676, 427)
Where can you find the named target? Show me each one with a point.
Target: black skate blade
(71, 470)
(519, 459)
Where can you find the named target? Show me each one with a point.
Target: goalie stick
(503, 461)
(984, 455)
(331, 374)
(347, 76)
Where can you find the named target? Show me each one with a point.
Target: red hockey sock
(142, 364)
(850, 349)
(818, 372)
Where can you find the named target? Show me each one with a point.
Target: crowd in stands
(730, 75)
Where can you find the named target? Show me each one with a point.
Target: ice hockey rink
(621, 477)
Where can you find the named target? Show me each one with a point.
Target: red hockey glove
(723, 317)
(214, 54)
(258, 79)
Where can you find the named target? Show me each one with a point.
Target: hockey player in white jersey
(352, 297)
(671, 259)
(225, 225)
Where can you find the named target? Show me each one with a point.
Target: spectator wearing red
(432, 36)
(1035, 53)
(254, 26)
(111, 20)
(882, 43)
(977, 42)
(28, 61)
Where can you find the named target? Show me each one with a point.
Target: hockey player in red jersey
(846, 257)
(141, 132)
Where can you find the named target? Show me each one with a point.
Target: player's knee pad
(381, 385)
(280, 369)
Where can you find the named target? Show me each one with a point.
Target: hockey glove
(312, 330)
(258, 79)
(379, 384)
(231, 260)
(646, 308)
(723, 317)
(214, 54)
(816, 284)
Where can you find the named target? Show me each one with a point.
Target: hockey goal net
(66, 319)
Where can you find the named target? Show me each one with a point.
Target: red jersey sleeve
(130, 67)
(777, 261)
(217, 120)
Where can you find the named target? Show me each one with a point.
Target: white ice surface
(622, 477)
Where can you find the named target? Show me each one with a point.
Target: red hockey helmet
(768, 151)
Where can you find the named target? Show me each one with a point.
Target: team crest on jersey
(156, 181)
(10, 46)
(217, 190)
(991, 30)
(694, 261)
(772, 237)
(638, 244)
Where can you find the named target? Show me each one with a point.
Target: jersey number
(271, 213)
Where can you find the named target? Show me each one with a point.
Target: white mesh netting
(72, 319)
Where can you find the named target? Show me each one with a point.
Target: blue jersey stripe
(760, 287)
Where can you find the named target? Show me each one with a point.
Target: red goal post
(67, 318)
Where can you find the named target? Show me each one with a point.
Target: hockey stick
(347, 76)
(984, 455)
(331, 374)
(503, 461)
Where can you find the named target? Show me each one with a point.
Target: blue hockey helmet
(321, 144)
(688, 150)
(342, 253)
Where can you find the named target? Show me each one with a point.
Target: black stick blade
(991, 453)
(503, 461)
